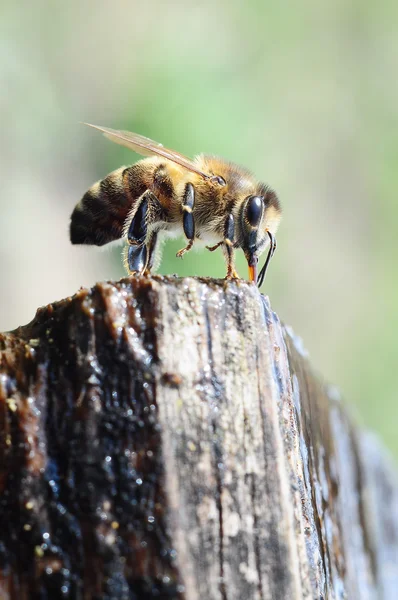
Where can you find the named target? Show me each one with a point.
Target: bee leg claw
(232, 274)
(181, 252)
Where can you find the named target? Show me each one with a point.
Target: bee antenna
(271, 252)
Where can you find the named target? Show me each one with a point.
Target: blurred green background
(305, 94)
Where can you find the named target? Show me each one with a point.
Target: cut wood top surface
(167, 438)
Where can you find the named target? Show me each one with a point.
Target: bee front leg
(188, 221)
(229, 251)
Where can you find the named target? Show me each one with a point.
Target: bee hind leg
(140, 259)
(148, 211)
(188, 221)
(152, 253)
(135, 258)
(140, 252)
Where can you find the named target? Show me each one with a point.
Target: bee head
(259, 219)
(252, 213)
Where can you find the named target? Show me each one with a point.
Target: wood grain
(167, 438)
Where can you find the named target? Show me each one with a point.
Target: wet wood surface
(166, 438)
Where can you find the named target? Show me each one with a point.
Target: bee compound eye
(254, 210)
(218, 180)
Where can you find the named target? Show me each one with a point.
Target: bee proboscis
(207, 199)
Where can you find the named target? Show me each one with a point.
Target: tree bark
(167, 438)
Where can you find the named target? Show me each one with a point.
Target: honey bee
(207, 199)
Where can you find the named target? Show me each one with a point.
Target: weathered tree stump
(166, 438)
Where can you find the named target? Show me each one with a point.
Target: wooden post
(166, 438)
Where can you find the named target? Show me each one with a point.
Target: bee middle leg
(188, 221)
(213, 248)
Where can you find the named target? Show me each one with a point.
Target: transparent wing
(146, 147)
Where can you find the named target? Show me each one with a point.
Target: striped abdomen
(100, 215)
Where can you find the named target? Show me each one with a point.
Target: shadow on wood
(166, 438)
